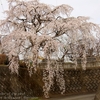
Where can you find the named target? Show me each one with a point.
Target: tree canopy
(33, 29)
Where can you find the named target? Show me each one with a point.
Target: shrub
(3, 59)
(22, 64)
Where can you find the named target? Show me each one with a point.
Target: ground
(76, 97)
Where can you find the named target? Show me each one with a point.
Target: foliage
(3, 59)
(22, 64)
(34, 29)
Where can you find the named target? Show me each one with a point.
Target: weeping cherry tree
(33, 29)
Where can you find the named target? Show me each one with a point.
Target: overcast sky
(90, 8)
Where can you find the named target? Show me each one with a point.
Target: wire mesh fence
(76, 81)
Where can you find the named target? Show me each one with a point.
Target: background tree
(32, 29)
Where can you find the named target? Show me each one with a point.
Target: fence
(77, 81)
(80, 81)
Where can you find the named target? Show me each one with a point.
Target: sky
(88, 8)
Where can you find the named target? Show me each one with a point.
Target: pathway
(77, 97)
